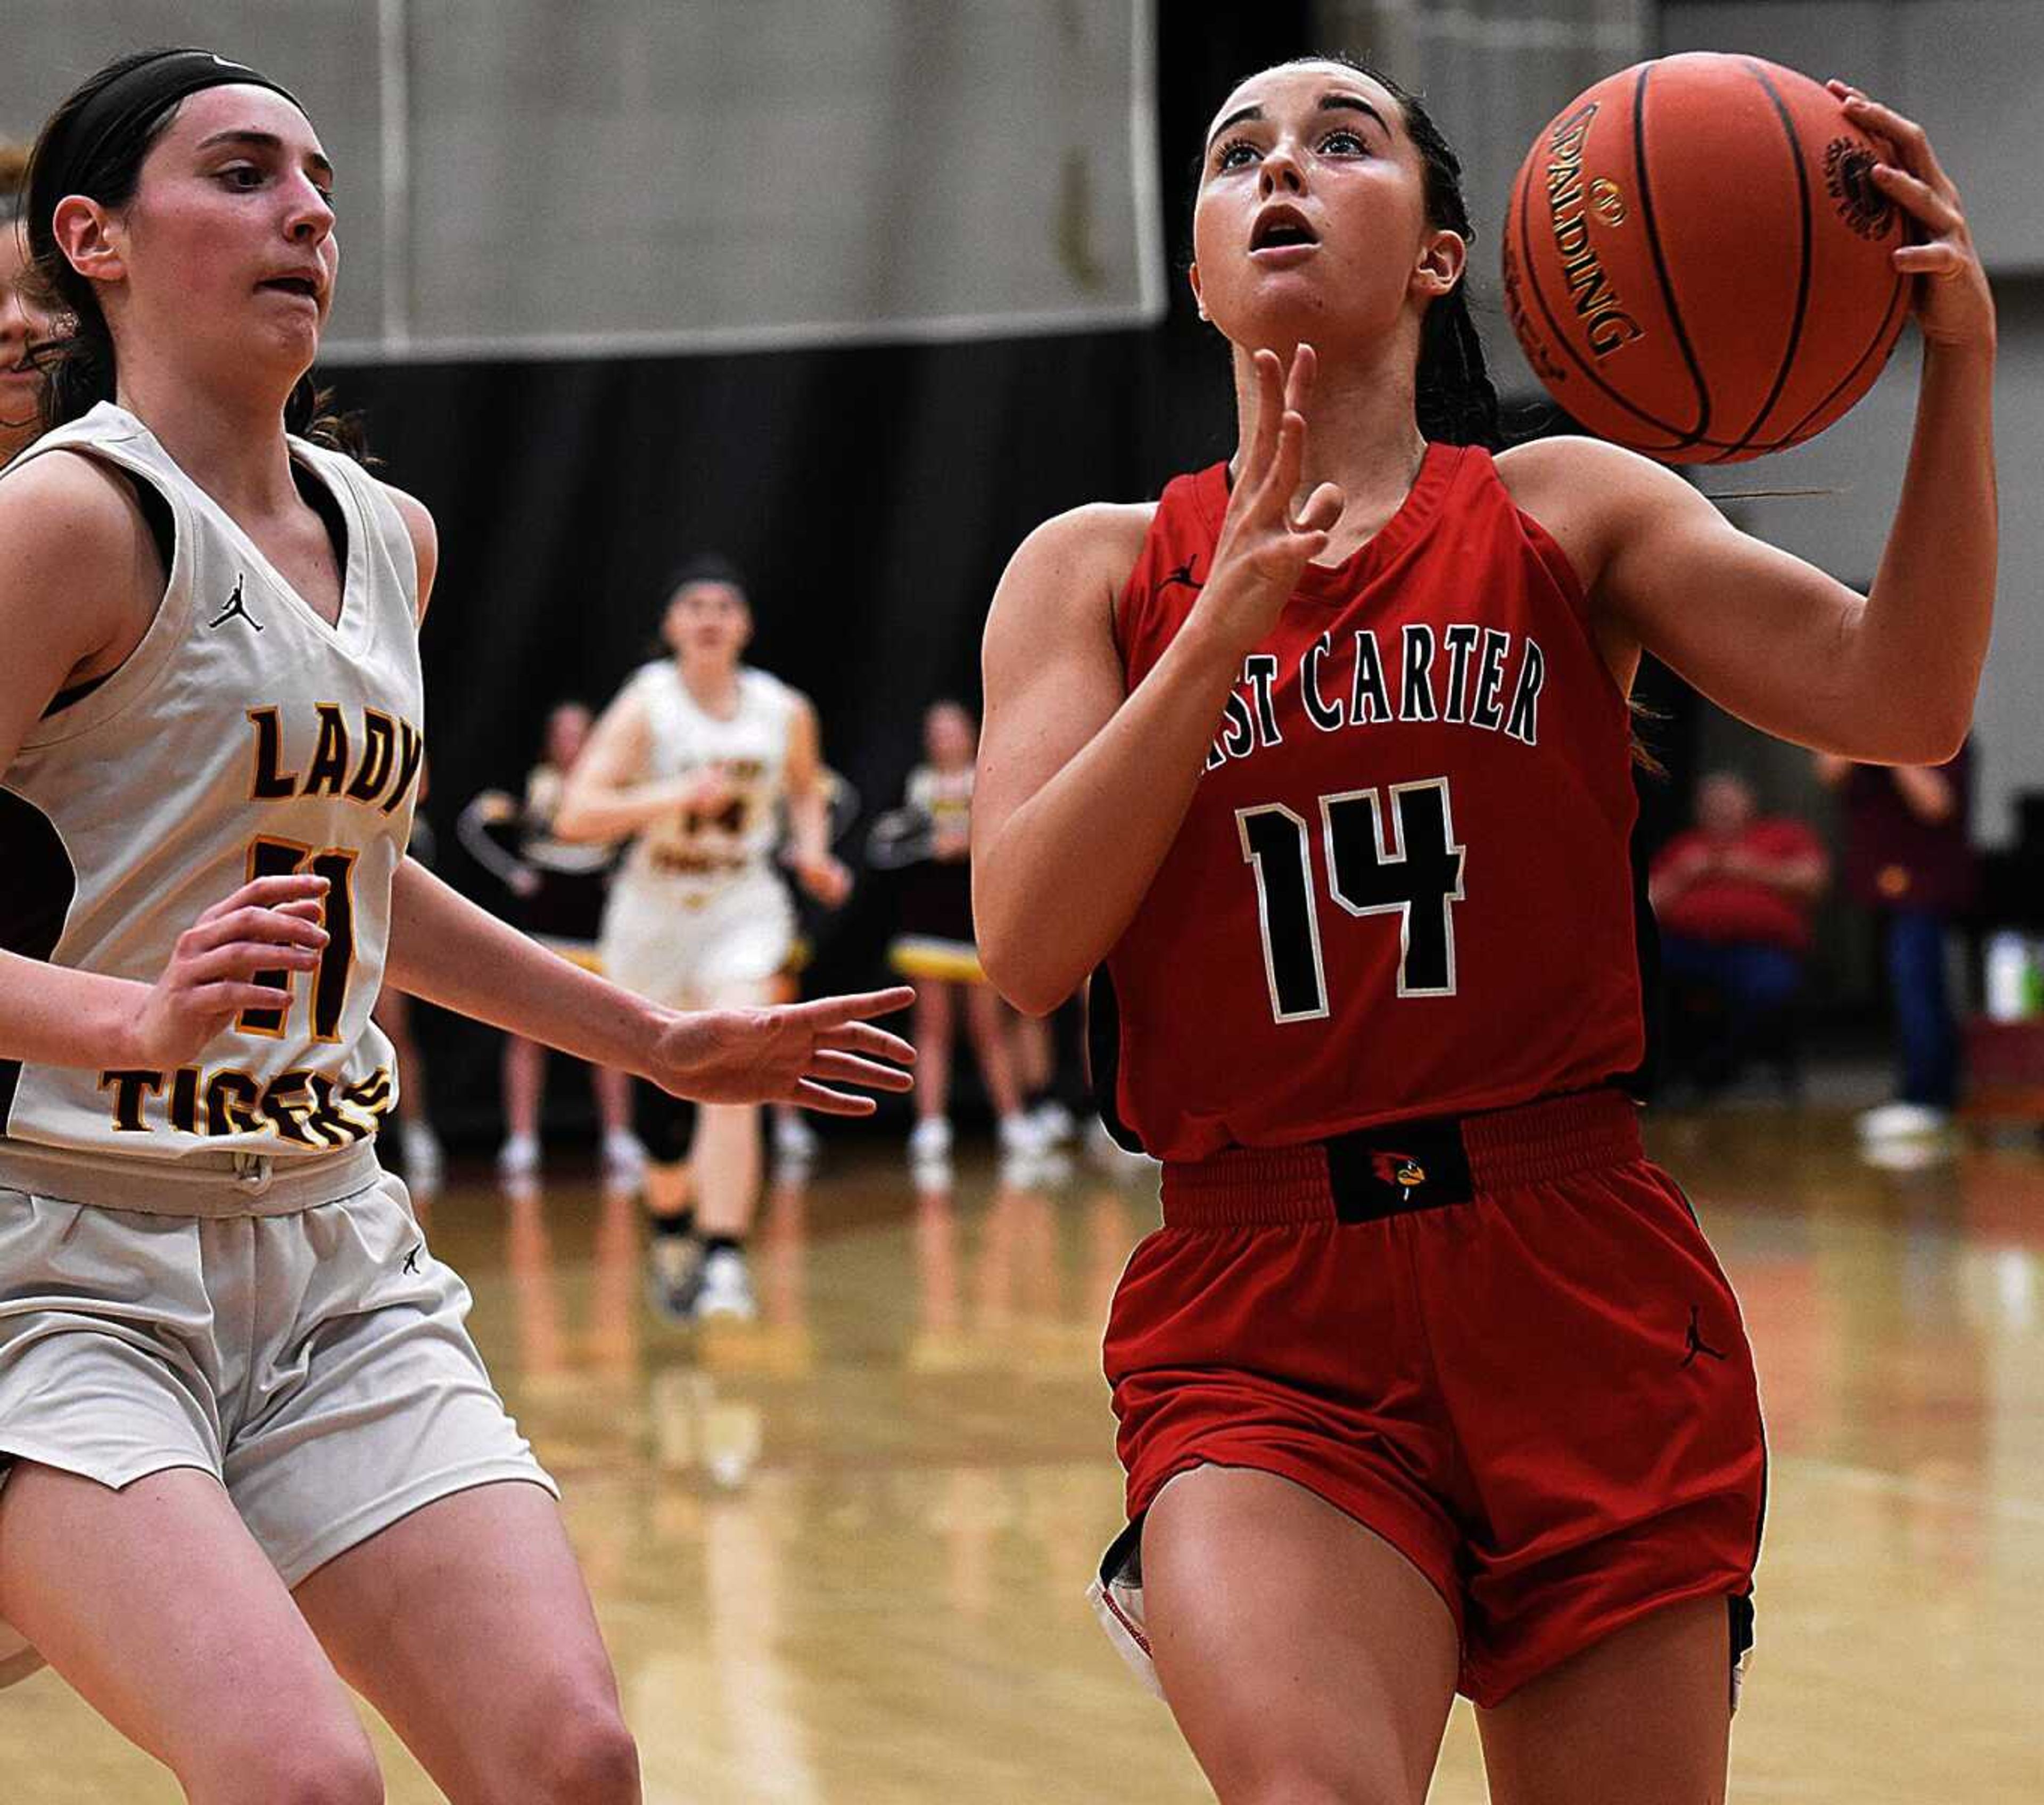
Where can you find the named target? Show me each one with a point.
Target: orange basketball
(1697, 262)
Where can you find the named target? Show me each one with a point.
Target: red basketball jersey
(1404, 887)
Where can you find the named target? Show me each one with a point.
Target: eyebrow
(1329, 103)
(267, 141)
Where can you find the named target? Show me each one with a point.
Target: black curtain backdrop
(872, 496)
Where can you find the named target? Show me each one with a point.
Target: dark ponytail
(78, 365)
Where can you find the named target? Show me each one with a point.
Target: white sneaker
(1902, 1121)
(1021, 1137)
(930, 1142)
(519, 1157)
(1054, 1122)
(623, 1154)
(726, 1289)
(794, 1140)
(426, 1165)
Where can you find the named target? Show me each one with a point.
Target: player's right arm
(607, 797)
(80, 584)
(1081, 787)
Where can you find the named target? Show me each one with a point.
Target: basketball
(1698, 263)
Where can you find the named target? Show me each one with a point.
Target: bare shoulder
(1074, 565)
(70, 496)
(76, 556)
(1588, 494)
(80, 581)
(418, 520)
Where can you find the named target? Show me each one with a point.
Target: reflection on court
(840, 1551)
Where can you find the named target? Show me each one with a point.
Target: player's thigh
(468, 1625)
(157, 1605)
(1304, 1657)
(1642, 1717)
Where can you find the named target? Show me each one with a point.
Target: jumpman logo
(1182, 574)
(1697, 1344)
(235, 605)
(412, 1258)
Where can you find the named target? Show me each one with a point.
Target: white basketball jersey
(750, 749)
(243, 737)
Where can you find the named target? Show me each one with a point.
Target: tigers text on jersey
(749, 750)
(242, 738)
(1403, 888)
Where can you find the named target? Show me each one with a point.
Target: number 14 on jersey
(1408, 866)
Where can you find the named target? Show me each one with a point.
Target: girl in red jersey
(1430, 1381)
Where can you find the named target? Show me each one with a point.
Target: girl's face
(567, 733)
(1311, 220)
(708, 622)
(226, 247)
(949, 740)
(22, 324)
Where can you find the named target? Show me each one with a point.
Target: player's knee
(589, 1758)
(1299, 1787)
(307, 1768)
(1301, 1775)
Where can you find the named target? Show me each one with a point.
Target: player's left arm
(808, 790)
(425, 541)
(1888, 678)
(445, 950)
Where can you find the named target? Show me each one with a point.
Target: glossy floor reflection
(839, 1552)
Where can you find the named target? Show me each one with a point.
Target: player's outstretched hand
(271, 925)
(1954, 306)
(798, 1053)
(1264, 546)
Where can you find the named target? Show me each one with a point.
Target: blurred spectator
(1734, 896)
(1908, 857)
(556, 889)
(928, 839)
(23, 321)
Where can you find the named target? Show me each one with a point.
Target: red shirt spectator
(1737, 877)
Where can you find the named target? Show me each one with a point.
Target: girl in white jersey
(697, 757)
(249, 1449)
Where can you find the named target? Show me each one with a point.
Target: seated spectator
(1734, 897)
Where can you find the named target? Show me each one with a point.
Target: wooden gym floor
(839, 1552)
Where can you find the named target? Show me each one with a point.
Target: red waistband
(1403, 1166)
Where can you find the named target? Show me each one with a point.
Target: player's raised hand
(1264, 546)
(270, 924)
(798, 1053)
(1953, 304)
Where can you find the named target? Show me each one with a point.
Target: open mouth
(1282, 228)
(293, 285)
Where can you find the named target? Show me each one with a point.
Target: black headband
(129, 103)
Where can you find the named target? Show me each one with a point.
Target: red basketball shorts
(1500, 1343)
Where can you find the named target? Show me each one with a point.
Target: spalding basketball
(1698, 263)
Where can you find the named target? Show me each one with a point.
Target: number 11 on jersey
(284, 858)
(1417, 876)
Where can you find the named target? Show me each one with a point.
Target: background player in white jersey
(247, 1446)
(558, 890)
(697, 757)
(22, 322)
